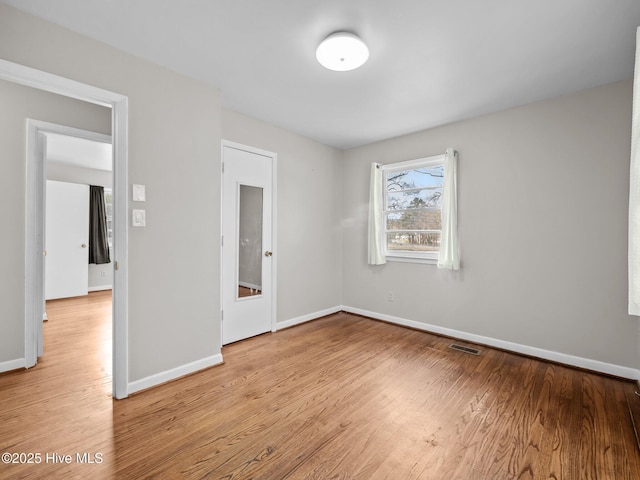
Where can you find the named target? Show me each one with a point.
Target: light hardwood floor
(340, 397)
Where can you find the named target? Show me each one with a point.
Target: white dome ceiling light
(342, 51)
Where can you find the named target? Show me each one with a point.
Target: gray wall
(543, 202)
(174, 149)
(309, 202)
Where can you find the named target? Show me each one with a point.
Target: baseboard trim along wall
(580, 362)
(99, 288)
(174, 373)
(9, 365)
(307, 318)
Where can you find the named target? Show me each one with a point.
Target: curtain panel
(376, 217)
(98, 234)
(449, 254)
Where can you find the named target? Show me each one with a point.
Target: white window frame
(407, 256)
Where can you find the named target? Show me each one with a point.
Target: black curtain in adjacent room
(98, 237)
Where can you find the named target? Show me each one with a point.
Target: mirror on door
(249, 241)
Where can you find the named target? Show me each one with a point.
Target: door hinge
(116, 266)
(222, 167)
(222, 241)
(221, 314)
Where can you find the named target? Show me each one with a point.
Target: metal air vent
(462, 348)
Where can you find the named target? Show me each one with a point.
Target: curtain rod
(378, 165)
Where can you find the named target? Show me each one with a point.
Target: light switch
(138, 193)
(138, 218)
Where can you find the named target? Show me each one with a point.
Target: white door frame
(36, 188)
(34, 264)
(274, 224)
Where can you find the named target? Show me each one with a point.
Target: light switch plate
(138, 193)
(138, 218)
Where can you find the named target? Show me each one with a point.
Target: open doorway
(34, 214)
(79, 205)
(79, 250)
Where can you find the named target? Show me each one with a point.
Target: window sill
(410, 259)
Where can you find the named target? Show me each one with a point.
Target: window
(413, 212)
(413, 209)
(108, 204)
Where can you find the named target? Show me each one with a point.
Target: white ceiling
(432, 61)
(78, 152)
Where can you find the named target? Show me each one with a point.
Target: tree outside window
(412, 207)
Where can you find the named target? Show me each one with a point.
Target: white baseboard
(13, 365)
(99, 288)
(181, 371)
(306, 318)
(586, 363)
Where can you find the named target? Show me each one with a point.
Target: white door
(247, 256)
(66, 240)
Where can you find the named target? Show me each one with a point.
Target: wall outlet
(390, 297)
(103, 273)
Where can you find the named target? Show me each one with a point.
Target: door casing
(36, 207)
(34, 278)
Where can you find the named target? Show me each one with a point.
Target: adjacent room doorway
(69, 161)
(34, 263)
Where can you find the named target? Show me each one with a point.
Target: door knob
(84, 245)
(268, 253)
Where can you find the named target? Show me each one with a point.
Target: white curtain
(634, 193)
(449, 255)
(376, 217)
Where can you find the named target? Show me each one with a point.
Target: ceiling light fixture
(342, 51)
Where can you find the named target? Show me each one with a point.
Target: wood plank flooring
(341, 397)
